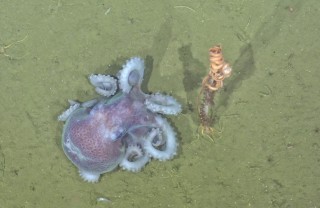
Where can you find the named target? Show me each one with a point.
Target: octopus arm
(88, 176)
(131, 74)
(134, 159)
(169, 149)
(165, 104)
(105, 85)
(66, 114)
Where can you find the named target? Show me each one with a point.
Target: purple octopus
(122, 127)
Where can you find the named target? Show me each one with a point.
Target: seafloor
(265, 150)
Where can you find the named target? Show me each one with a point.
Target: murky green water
(266, 147)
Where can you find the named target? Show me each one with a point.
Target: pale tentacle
(165, 104)
(105, 85)
(165, 131)
(134, 159)
(65, 115)
(89, 176)
(131, 74)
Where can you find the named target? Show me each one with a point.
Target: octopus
(122, 127)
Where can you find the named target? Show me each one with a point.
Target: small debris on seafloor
(103, 200)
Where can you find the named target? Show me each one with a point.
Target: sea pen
(211, 83)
